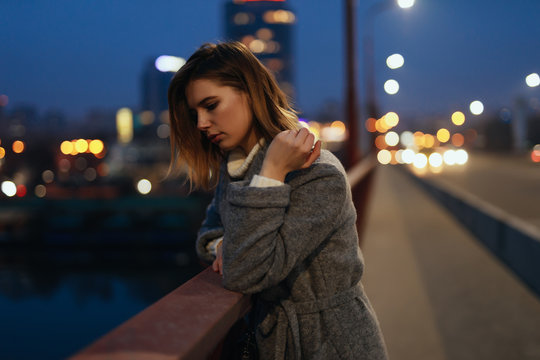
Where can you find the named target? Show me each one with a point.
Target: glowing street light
(167, 63)
(532, 80)
(391, 87)
(395, 61)
(405, 4)
(476, 107)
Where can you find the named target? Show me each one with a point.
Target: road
(508, 182)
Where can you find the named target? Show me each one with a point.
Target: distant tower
(155, 84)
(266, 28)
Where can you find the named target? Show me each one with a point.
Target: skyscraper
(265, 27)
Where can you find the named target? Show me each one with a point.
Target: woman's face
(222, 114)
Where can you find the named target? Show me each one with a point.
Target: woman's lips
(215, 138)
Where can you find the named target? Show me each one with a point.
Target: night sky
(75, 55)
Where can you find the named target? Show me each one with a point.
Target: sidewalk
(438, 293)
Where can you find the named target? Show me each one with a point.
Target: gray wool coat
(295, 248)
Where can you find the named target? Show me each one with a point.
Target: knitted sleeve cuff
(241, 194)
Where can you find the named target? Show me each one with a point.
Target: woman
(281, 225)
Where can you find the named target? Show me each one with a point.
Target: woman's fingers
(313, 155)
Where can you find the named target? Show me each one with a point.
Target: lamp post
(352, 152)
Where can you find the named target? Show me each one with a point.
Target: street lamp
(369, 66)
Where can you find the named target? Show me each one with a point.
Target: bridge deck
(438, 293)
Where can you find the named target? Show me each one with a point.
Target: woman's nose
(203, 122)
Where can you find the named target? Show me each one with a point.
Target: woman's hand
(217, 265)
(290, 150)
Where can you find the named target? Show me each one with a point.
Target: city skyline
(75, 56)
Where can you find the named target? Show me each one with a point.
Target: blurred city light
(21, 190)
(9, 188)
(408, 156)
(458, 140)
(395, 61)
(391, 87)
(420, 161)
(532, 80)
(449, 157)
(384, 157)
(435, 159)
(407, 139)
(144, 186)
(476, 107)
(47, 176)
(535, 153)
(458, 118)
(405, 4)
(96, 146)
(18, 146)
(370, 124)
(167, 63)
(461, 157)
(391, 138)
(443, 135)
(66, 147)
(429, 141)
(2, 152)
(40, 191)
(279, 16)
(391, 119)
(81, 145)
(124, 125)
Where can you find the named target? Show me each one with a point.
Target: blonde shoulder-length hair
(229, 64)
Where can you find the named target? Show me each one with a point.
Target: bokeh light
(391, 87)
(144, 186)
(370, 124)
(443, 135)
(47, 176)
(96, 146)
(66, 147)
(408, 156)
(532, 80)
(384, 157)
(391, 119)
(420, 161)
(81, 145)
(458, 118)
(535, 153)
(18, 146)
(391, 138)
(435, 159)
(9, 188)
(40, 191)
(449, 157)
(2, 152)
(407, 139)
(21, 190)
(461, 157)
(476, 107)
(395, 61)
(167, 63)
(458, 140)
(405, 4)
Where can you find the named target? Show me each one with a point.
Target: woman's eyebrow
(205, 100)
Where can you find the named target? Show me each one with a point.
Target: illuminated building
(155, 84)
(265, 27)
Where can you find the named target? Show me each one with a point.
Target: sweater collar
(238, 163)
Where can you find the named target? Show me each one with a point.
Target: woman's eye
(211, 106)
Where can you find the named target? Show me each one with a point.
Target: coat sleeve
(211, 229)
(271, 230)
